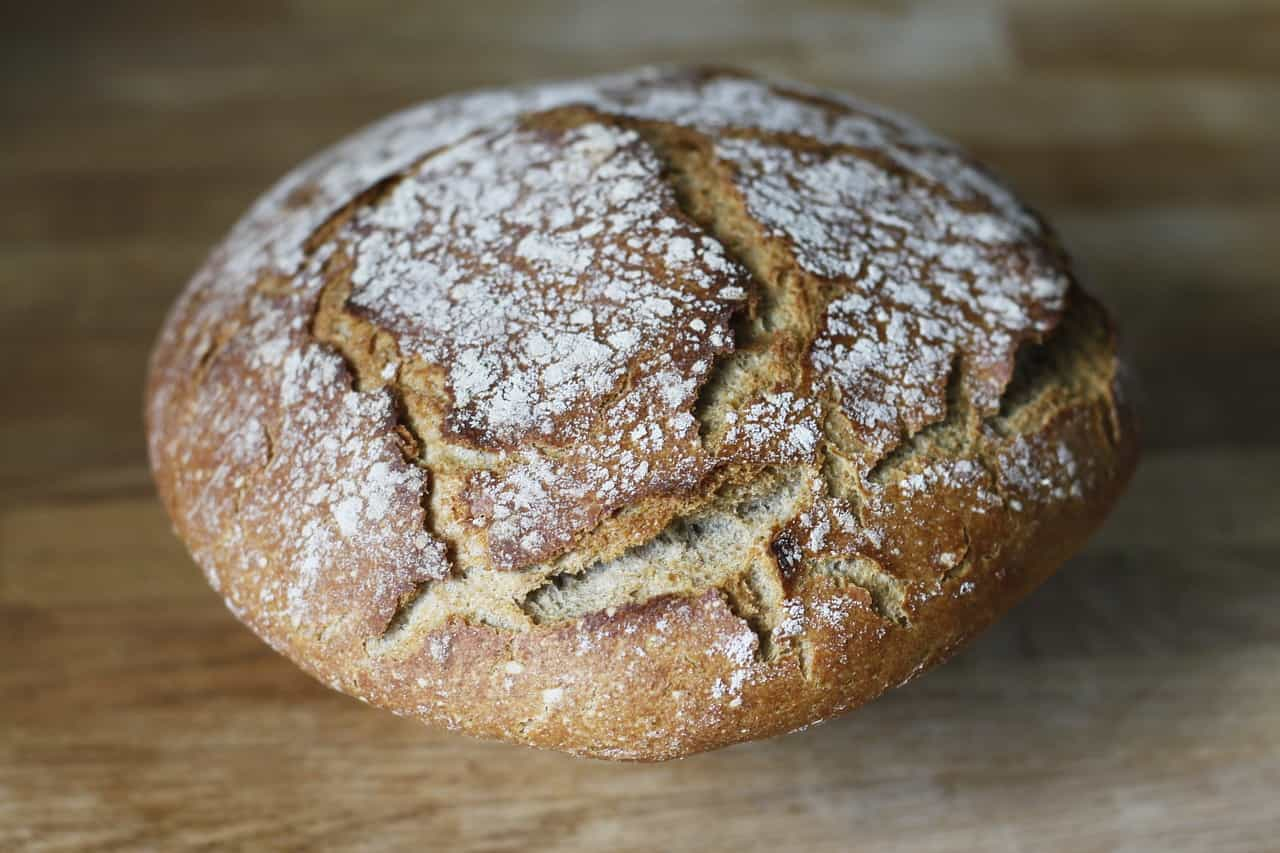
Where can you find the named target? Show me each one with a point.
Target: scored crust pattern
(507, 364)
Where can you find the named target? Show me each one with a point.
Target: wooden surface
(1132, 704)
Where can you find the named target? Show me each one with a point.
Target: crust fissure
(964, 563)
(780, 318)
(1073, 362)
(888, 594)
(953, 433)
(723, 546)
(371, 359)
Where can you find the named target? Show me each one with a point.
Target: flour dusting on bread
(634, 416)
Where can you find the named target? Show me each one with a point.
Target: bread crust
(637, 416)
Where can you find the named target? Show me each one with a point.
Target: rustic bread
(636, 416)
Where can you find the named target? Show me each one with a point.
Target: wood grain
(1132, 704)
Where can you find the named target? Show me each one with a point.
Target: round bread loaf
(634, 416)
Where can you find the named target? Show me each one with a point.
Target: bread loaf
(634, 416)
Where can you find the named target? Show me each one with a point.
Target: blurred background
(1132, 703)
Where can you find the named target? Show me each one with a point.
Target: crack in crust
(887, 593)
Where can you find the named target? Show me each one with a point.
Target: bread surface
(634, 416)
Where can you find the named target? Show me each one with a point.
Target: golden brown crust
(634, 417)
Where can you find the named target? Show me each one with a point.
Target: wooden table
(1132, 704)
